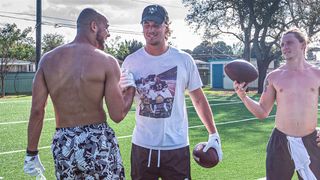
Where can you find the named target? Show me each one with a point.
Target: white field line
(50, 119)
(4, 102)
(231, 122)
(18, 122)
(17, 151)
(29, 100)
(129, 136)
(219, 104)
(123, 137)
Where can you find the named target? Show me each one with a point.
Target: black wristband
(32, 153)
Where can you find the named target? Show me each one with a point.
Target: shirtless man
(295, 88)
(77, 76)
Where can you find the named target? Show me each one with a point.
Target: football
(207, 159)
(241, 71)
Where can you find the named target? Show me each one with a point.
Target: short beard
(100, 40)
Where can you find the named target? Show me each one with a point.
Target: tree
(51, 41)
(111, 47)
(11, 40)
(268, 25)
(25, 50)
(219, 47)
(133, 45)
(305, 13)
(237, 48)
(256, 23)
(187, 51)
(203, 48)
(217, 17)
(127, 47)
(121, 49)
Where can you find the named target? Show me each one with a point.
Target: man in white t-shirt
(160, 144)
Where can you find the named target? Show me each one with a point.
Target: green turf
(243, 143)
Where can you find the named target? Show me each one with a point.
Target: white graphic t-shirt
(161, 117)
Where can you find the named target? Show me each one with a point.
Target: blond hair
(301, 36)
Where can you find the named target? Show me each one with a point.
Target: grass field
(243, 137)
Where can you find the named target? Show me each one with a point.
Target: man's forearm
(254, 107)
(34, 131)
(128, 96)
(203, 110)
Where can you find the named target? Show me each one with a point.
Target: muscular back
(75, 75)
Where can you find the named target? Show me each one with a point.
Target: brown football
(207, 159)
(241, 71)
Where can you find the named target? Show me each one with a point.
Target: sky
(124, 18)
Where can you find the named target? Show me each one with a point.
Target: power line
(12, 17)
(73, 26)
(148, 2)
(33, 15)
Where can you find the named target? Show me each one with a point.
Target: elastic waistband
(99, 126)
(278, 132)
(160, 149)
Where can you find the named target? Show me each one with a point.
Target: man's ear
(93, 26)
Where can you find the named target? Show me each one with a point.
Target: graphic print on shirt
(157, 93)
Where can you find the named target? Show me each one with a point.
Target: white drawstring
(158, 158)
(149, 160)
(288, 144)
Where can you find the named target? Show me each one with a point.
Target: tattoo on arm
(266, 84)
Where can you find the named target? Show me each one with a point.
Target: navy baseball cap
(155, 13)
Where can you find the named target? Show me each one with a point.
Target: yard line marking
(18, 122)
(231, 122)
(212, 97)
(128, 136)
(219, 104)
(4, 102)
(123, 137)
(17, 151)
(29, 100)
(50, 119)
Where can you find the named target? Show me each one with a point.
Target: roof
(19, 62)
(221, 59)
(200, 62)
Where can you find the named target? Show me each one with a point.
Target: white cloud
(122, 15)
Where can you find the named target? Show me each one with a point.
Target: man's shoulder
(179, 51)
(138, 52)
(314, 67)
(134, 57)
(275, 73)
(315, 70)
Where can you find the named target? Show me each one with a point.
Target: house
(204, 70)
(21, 66)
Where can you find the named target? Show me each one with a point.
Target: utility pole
(38, 33)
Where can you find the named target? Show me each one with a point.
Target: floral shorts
(87, 152)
